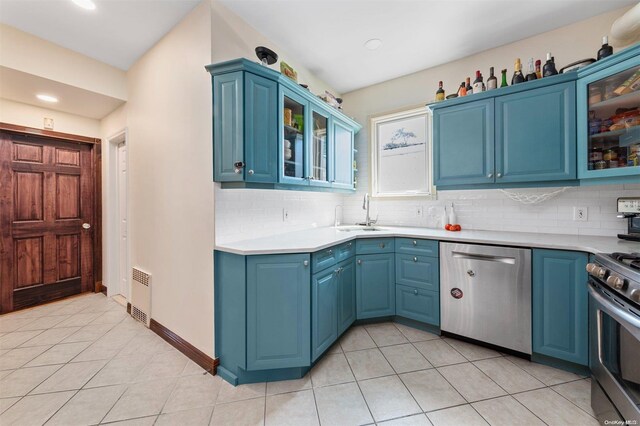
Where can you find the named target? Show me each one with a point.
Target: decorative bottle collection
(534, 72)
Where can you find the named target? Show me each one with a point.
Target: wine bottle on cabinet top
(538, 72)
(605, 50)
(549, 68)
(517, 73)
(462, 90)
(469, 88)
(492, 81)
(531, 75)
(504, 79)
(478, 83)
(440, 92)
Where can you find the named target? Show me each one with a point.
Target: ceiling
(22, 87)
(117, 32)
(327, 36)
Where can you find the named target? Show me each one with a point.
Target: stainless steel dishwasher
(485, 294)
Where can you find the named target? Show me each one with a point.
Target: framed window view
(400, 149)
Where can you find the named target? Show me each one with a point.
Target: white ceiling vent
(141, 296)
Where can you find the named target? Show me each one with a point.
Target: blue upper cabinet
(536, 135)
(294, 139)
(341, 154)
(609, 139)
(260, 130)
(228, 129)
(278, 311)
(463, 148)
(560, 305)
(270, 133)
(521, 135)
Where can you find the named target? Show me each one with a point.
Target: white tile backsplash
(252, 213)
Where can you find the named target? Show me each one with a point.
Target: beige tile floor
(84, 361)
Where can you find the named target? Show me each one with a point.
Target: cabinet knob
(490, 175)
(336, 271)
(359, 261)
(305, 263)
(471, 273)
(499, 175)
(415, 243)
(349, 245)
(415, 292)
(250, 172)
(330, 251)
(415, 259)
(381, 245)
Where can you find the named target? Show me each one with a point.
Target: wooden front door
(46, 219)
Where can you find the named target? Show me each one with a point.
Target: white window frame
(375, 121)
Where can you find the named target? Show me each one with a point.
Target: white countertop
(315, 239)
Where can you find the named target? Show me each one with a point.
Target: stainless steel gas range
(614, 337)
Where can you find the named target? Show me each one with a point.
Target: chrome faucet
(365, 206)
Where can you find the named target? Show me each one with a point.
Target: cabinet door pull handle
(305, 263)
(415, 259)
(359, 262)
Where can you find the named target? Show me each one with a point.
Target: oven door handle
(628, 320)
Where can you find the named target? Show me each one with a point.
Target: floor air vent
(141, 296)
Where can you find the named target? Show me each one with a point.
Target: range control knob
(616, 282)
(635, 296)
(596, 270)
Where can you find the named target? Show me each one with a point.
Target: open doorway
(117, 212)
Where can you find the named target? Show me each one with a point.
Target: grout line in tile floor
(354, 376)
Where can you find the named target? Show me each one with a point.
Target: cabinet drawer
(345, 251)
(417, 246)
(418, 271)
(418, 304)
(374, 246)
(323, 259)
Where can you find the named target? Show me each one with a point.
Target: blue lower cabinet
(278, 311)
(418, 304)
(418, 271)
(346, 294)
(375, 285)
(324, 311)
(560, 305)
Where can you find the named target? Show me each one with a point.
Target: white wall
(247, 213)
(31, 116)
(487, 209)
(168, 116)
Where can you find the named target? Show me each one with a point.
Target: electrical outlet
(285, 215)
(580, 214)
(419, 211)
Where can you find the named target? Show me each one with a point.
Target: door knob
(86, 226)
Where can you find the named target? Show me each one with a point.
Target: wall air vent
(141, 296)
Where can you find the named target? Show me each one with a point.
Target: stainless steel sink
(356, 228)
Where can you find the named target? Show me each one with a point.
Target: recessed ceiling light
(85, 4)
(373, 44)
(47, 98)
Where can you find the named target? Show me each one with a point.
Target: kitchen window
(401, 154)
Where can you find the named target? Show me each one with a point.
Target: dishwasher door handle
(484, 257)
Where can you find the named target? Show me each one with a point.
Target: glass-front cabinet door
(342, 155)
(319, 149)
(609, 126)
(293, 143)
